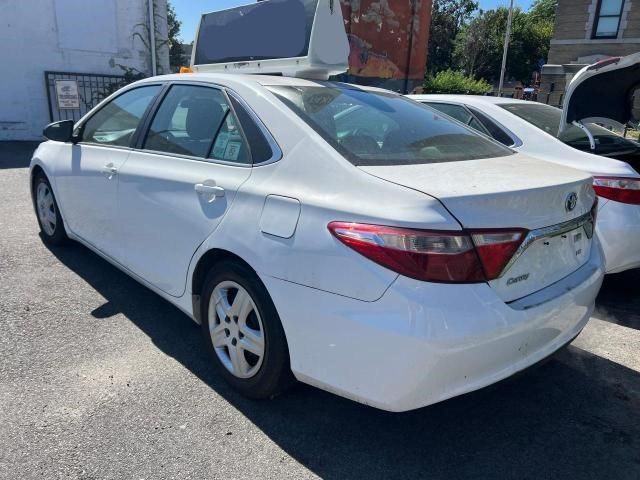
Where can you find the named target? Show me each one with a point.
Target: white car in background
(532, 128)
(343, 236)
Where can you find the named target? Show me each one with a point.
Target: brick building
(388, 42)
(587, 31)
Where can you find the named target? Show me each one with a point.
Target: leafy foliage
(528, 48)
(543, 10)
(475, 47)
(175, 43)
(447, 18)
(130, 75)
(450, 81)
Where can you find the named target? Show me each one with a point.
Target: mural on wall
(388, 40)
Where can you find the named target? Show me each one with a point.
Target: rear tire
(243, 332)
(47, 212)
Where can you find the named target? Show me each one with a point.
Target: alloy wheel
(46, 208)
(236, 329)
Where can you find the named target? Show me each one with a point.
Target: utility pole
(152, 38)
(507, 39)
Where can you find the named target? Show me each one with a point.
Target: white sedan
(345, 237)
(532, 128)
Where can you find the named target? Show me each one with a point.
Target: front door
(87, 173)
(176, 189)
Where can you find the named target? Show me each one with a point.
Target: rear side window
(115, 123)
(384, 129)
(494, 130)
(197, 122)
(260, 149)
(459, 113)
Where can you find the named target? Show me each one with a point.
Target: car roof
(469, 99)
(253, 80)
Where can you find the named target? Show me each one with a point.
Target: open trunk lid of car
(602, 90)
(551, 202)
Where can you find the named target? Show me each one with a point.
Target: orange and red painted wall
(388, 40)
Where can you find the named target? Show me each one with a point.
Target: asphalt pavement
(102, 379)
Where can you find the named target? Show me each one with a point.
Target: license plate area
(546, 256)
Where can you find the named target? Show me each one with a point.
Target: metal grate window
(72, 95)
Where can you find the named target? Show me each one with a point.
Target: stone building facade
(587, 31)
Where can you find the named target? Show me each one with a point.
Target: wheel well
(205, 264)
(37, 170)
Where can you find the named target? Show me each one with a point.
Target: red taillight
(435, 256)
(495, 249)
(620, 189)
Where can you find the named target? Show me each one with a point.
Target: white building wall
(84, 36)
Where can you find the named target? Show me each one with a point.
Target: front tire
(47, 212)
(243, 333)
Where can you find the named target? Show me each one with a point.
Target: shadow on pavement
(577, 416)
(16, 154)
(618, 300)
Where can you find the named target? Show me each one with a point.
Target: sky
(189, 11)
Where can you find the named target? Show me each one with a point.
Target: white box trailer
(297, 38)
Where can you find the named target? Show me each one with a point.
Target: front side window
(607, 21)
(115, 123)
(384, 129)
(197, 122)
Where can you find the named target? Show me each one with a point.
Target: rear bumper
(618, 228)
(422, 343)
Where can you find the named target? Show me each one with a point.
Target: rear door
(181, 181)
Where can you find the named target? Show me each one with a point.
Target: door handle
(109, 171)
(209, 190)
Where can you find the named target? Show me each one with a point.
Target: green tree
(478, 47)
(452, 82)
(471, 44)
(175, 42)
(543, 10)
(447, 18)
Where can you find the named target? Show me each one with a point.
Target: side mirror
(59, 131)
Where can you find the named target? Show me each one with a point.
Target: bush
(449, 81)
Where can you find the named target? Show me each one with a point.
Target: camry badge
(571, 202)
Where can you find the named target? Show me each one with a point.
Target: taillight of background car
(436, 256)
(619, 189)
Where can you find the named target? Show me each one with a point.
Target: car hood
(602, 90)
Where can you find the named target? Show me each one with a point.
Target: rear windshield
(385, 129)
(547, 118)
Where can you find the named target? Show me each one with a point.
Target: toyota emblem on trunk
(571, 201)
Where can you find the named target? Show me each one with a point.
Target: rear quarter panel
(328, 188)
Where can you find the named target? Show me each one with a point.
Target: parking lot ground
(100, 378)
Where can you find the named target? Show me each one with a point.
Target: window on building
(607, 22)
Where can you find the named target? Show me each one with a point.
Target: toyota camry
(346, 237)
(349, 238)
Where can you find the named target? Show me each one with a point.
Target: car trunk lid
(553, 203)
(603, 90)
